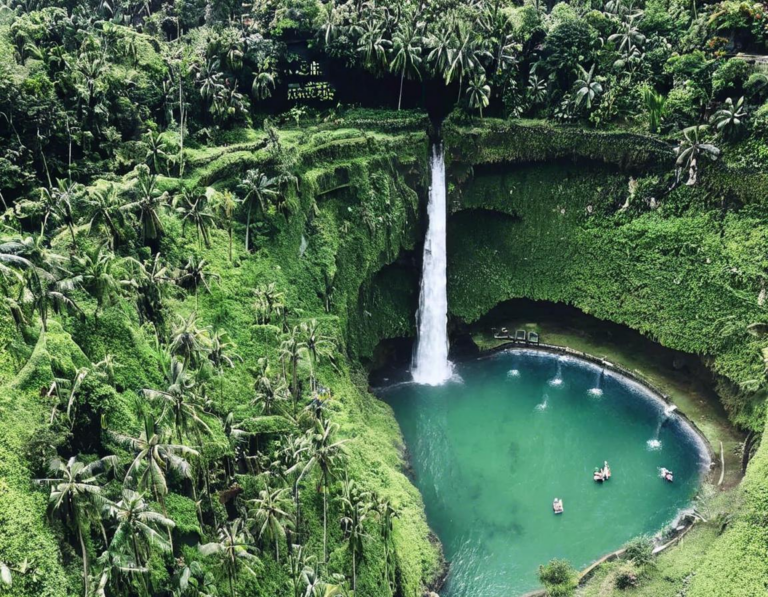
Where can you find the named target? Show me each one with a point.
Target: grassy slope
(27, 543)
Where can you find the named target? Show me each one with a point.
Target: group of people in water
(604, 474)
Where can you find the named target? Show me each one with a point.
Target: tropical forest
(383, 298)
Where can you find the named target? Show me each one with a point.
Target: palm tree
(299, 563)
(441, 49)
(271, 517)
(316, 344)
(138, 530)
(406, 48)
(293, 460)
(194, 275)
(357, 508)
(180, 402)
(46, 284)
(224, 205)
(99, 276)
(236, 437)
(188, 340)
(327, 455)
(192, 207)
(220, 356)
(691, 148)
(117, 570)
(372, 45)
(104, 209)
(466, 54)
(153, 457)
(209, 79)
(150, 279)
(76, 497)
(479, 93)
(233, 549)
(46, 292)
(156, 155)
(60, 386)
(268, 301)
(258, 188)
(587, 87)
(268, 394)
(292, 350)
(387, 514)
(148, 205)
(729, 120)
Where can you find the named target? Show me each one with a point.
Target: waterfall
(430, 363)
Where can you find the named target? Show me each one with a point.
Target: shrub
(684, 105)
(760, 121)
(729, 78)
(627, 577)
(639, 551)
(559, 578)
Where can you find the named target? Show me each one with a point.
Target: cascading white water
(430, 364)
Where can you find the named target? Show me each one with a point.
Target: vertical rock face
(431, 365)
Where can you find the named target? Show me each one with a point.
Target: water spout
(597, 390)
(430, 364)
(558, 379)
(655, 443)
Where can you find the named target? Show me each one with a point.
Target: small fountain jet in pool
(655, 443)
(543, 405)
(558, 379)
(513, 373)
(598, 389)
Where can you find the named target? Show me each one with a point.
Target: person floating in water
(557, 506)
(667, 475)
(598, 476)
(606, 471)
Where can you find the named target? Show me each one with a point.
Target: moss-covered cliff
(541, 213)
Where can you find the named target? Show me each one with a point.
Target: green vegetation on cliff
(192, 346)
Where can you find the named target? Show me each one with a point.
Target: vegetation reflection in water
(491, 452)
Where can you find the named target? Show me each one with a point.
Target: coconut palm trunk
(85, 560)
(248, 227)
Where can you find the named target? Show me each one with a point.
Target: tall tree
(138, 530)
(407, 45)
(234, 550)
(153, 458)
(270, 516)
(259, 189)
(76, 498)
(327, 454)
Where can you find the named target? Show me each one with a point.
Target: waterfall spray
(430, 363)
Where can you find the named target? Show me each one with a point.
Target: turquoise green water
(491, 452)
